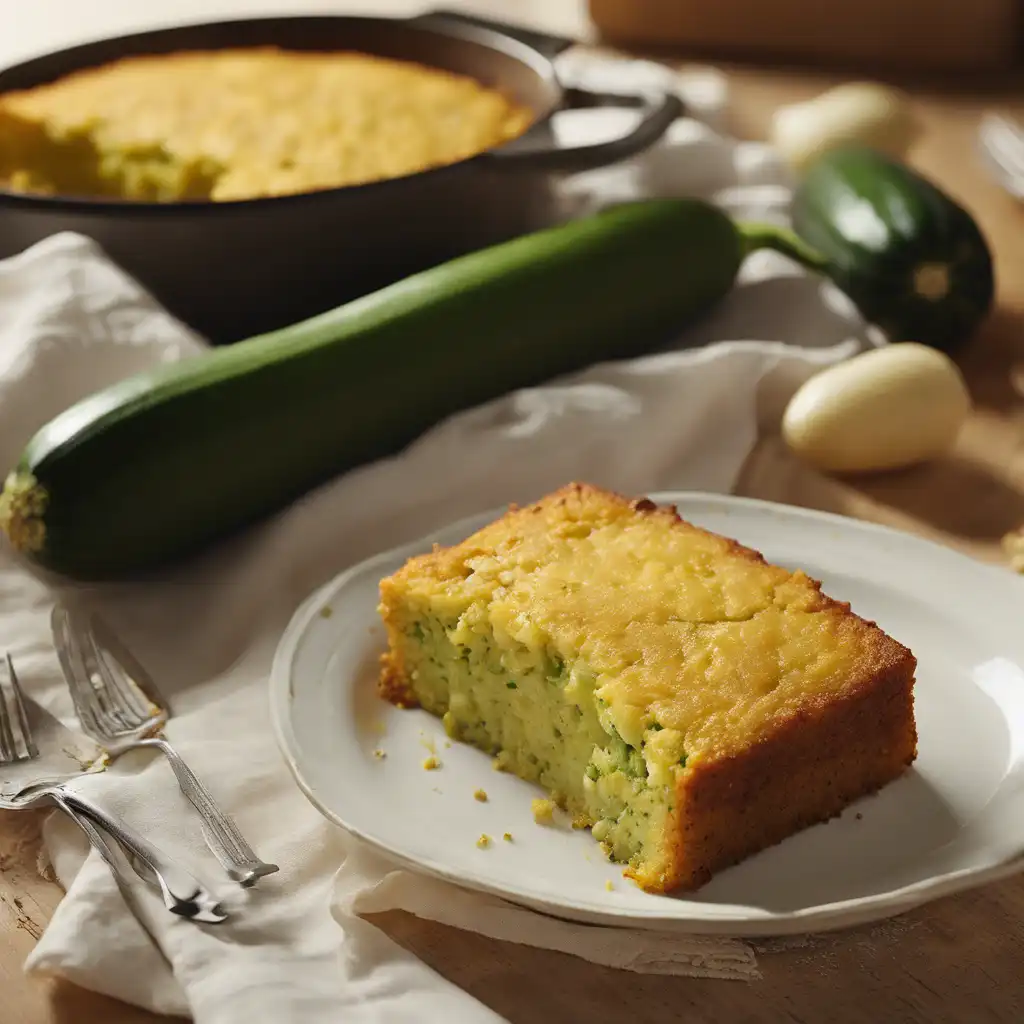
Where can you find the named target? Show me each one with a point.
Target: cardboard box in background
(912, 35)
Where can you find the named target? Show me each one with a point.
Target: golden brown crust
(817, 762)
(881, 650)
(393, 682)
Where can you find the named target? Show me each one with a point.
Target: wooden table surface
(957, 960)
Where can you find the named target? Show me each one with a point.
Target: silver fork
(119, 706)
(1001, 142)
(23, 788)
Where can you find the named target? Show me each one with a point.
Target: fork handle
(223, 837)
(182, 893)
(98, 842)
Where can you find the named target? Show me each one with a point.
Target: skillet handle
(543, 42)
(537, 149)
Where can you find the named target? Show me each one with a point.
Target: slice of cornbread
(672, 690)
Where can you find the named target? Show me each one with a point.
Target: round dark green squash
(911, 258)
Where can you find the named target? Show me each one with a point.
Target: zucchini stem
(755, 236)
(932, 281)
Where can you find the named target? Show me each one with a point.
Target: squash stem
(755, 236)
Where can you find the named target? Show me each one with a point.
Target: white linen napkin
(299, 949)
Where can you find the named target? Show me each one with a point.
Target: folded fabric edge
(640, 950)
(88, 893)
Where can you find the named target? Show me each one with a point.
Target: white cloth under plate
(70, 322)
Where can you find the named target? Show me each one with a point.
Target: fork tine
(75, 672)
(8, 750)
(100, 686)
(90, 681)
(108, 699)
(16, 741)
(118, 712)
(114, 674)
(19, 703)
(1007, 153)
(143, 692)
(1003, 143)
(120, 708)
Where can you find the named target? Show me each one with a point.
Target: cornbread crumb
(431, 764)
(543, 811)
(507, 837)
(326, 612)
(380, 754)
(608, 885)
(689, 700)
(484, 841)
(480, 795)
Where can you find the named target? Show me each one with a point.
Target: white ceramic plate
(954, 821)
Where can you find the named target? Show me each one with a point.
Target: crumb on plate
(543, 811)
(480, 795)
(484, 841)
(431, 764)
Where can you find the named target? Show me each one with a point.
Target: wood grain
(957, 960)
(979, 36)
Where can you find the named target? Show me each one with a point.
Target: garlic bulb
(858, 113)
(887, 408)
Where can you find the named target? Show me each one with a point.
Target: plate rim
(820, 917)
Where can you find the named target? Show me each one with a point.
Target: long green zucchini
(157, 467)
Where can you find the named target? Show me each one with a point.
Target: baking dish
(234, 269)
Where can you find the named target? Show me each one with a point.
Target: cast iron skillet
(234, 269)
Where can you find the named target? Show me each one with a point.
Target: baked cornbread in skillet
(244, 123)
(687, 700)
